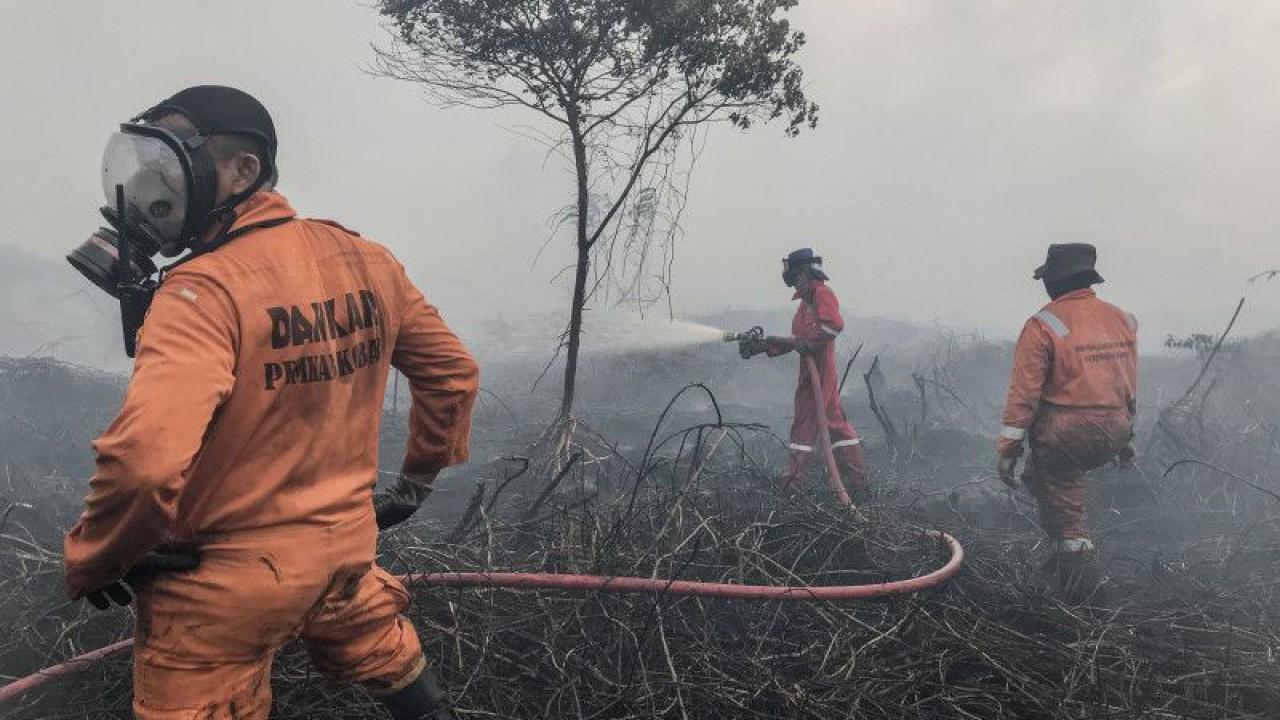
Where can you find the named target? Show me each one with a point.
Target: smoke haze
(956, 140)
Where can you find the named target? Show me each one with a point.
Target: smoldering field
(1187, 630)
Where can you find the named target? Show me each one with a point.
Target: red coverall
(1074, 394)
(814, 328)
(250, 430)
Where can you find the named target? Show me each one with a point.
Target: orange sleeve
(184, 369)
(443, 379)
(1031, 361)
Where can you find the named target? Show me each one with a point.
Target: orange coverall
(816, 325)
(1074, 394)
(250, 430)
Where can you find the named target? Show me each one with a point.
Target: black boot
(420, 700)
(1079, 577)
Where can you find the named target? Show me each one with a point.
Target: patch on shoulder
(188, 294)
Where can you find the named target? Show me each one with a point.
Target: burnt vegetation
(1187, 627)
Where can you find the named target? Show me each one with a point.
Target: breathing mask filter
(161, 191)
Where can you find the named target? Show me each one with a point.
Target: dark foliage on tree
(622, 83)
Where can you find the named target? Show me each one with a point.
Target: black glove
(1127, 457)
(751, 347)
(152, 564)
(390, 510)
(398, 503)
(102, 597)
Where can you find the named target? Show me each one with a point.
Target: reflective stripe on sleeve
(846, 443)
(1012, 433)
(1054, 322)
(829, 330)
(1132, 320)
(800, 448)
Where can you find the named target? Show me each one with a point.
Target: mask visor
(149, 163)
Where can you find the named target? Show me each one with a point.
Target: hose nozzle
(747, 340)
(755, 333)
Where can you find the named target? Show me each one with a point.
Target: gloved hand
(152, 564)
(1127, 457)
(398, 503)
(102, 597)
(1006, 468)
(751, 347)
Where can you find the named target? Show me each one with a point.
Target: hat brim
(1054, 274)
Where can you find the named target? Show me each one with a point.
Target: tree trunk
(575, 331)
(580, 276)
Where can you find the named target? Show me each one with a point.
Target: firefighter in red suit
(814, 329)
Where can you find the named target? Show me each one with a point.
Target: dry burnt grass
(1187, 628)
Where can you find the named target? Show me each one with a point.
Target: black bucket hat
(1068, 259)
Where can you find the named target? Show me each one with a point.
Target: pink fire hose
(10, 692)
(824, 434)
(657, 586)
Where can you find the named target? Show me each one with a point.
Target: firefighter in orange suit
(814, 329)
(1073, 396)
(234, 493)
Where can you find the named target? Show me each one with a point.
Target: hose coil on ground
(530, 581)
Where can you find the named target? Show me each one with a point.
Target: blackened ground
(1186, 628)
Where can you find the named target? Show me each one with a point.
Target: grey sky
(956, 140)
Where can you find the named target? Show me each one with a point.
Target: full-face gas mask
(161, 192)
(802, 260)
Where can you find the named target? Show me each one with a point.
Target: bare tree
(623, 83)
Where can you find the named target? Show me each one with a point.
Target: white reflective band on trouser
(1072, 545)
(1054, 322)
(846, 443)
(1012, 433)
(829, 330)
(800, 448)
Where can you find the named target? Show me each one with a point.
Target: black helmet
(801, 259)
(217, 109)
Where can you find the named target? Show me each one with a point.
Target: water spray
(609, 333)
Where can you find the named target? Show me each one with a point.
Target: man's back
(317, 312)
(1094, 352)
(259, 385)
